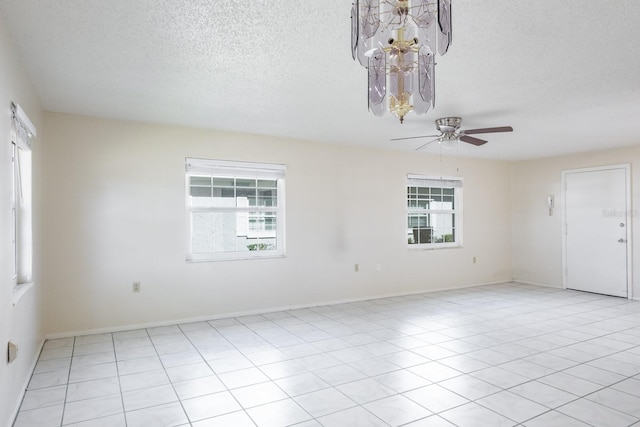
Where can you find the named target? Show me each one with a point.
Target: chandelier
(396, 40)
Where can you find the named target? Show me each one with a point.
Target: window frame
(428, 181)
(22, 131)
(226, 169)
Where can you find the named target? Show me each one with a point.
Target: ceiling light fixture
(396, 40)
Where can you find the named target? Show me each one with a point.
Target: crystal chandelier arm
(377, 89)
(426, 87)
(369, 17)
(368, 26)
(424, 13)
(354, 28)
(444, 26)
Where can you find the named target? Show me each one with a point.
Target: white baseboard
(30, 371)
(257, 311)
(546, 285)
(524, 282)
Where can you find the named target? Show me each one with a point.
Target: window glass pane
(447, 191)
(435, 191)
(245, 197)
(418, 221)
(442, 220)
(223, 192)
(219, 232)
(443, 235)
(200, 180)
(419, 235)
(419, 231)
(223, 182)
(24, 240)
(262, 183)
(213, 232)
(267, 197)
(222, 197)
(242, 182)
(442, 227)
(270, 223)
(200, 191)
(200, 186)
(442, 206)
(201, 232)
(262, 231)
(14, 219)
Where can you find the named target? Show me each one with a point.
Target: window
(236, 209)
(434, 212)
(22, 130)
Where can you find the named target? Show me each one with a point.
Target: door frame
(628, 220)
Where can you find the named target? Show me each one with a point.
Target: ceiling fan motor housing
(448, 125)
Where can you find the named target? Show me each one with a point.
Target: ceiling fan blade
(472, 140)
(414, 137)
(487, 130)
(424, 145)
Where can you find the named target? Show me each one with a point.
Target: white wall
(115, 199)
(19, 322)
(537, 237)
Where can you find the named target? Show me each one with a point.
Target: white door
(596, 230)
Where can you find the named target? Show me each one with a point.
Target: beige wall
(20, 319)
(109, 210)
(537, 237)
(115, 214)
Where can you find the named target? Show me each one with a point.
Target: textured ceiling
(564, 74)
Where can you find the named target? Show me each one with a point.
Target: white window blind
(226, 168)
(420, 181)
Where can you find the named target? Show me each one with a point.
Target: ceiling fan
(448, 127)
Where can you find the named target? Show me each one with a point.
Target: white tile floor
(501, 355)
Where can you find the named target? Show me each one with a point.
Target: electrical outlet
(12, 352)
(356, 268)
(474, 260)
(136, 288)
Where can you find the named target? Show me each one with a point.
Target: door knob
(621, 240)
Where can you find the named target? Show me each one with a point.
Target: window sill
(433, 247)
(19, 291)
(235, 258)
